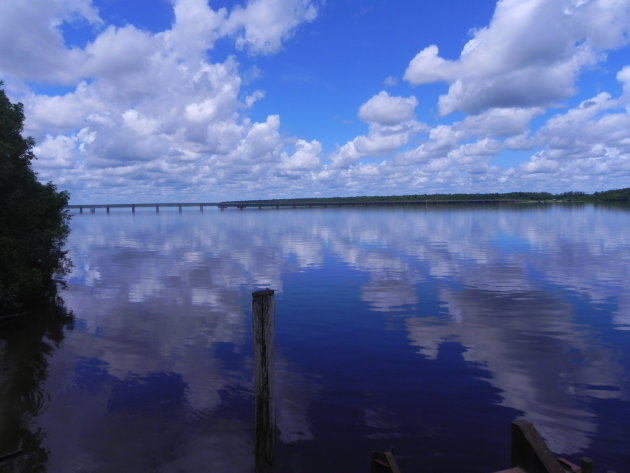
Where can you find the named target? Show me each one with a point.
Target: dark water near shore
(426, 330)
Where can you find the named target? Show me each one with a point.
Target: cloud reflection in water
(162, 303)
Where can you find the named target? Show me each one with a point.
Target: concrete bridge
(92, 207)
(285, 204)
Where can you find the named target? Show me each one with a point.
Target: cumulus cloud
(196, 28)
(262, 25)
(588, 140)
(379, 141)
(529, 55)
(623, 76)
(57, 151)
(150, 108)
(41, 54)
(386, 110)
(305, 157)
(157, 114)
(391, 123)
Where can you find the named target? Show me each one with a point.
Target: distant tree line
(617, 195)
(33, 219)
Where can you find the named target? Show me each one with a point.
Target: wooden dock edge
(529, 454)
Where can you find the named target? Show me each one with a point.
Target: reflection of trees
(25, 346)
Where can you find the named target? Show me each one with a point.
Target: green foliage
(617, 195)
(33, 219)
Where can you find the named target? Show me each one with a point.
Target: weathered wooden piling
(530, 452)
(263, 315)
(383, 462)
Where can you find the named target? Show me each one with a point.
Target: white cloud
(529, 55)
(391, 125)
(428, 67)
(390, 81)
(379, 141)
(57, 151)
(196, 28)
(158, 113)
(262, 25)
(500, 121)
(37, 50)
(119, 51)
(387, 110)
(61, 113)
(250, 100)
(623, 76)
(306, 156)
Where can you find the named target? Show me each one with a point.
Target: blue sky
(190, 100)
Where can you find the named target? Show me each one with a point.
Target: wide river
(423, 329)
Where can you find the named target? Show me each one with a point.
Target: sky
(196, 100)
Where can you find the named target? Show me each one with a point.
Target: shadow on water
(26, 344)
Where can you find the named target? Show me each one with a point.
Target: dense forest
(617, 195)
(33, 219)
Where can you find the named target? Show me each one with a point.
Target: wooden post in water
(263, 315)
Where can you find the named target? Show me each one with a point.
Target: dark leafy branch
(33, 219)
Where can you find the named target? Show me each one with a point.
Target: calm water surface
(426, 330)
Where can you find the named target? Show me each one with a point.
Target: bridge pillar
(107, 208)
(133, 209)
(157, 209)
(81, 210)
(201, 208)
(92, 210)
(180, 209)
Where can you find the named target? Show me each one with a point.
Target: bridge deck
(285, 204)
